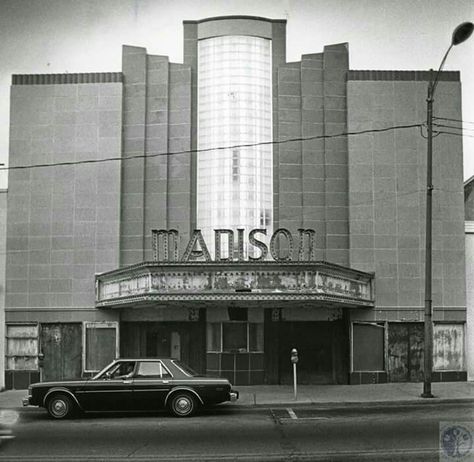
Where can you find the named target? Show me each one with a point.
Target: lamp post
(460, 34)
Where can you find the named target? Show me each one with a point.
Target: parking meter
(294, 355)
(294, 360)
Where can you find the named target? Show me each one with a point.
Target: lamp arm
(434, 83)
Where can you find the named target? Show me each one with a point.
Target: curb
(356, 404)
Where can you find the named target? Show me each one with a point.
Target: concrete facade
(387, 184)
(469, 229)
(3, 233)
(362, 193)
(64, 221)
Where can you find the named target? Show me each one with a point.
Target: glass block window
(234, 186)
(22, 347)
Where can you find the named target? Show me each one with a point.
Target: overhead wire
(217, 148)
(454, 120)
(453, 127)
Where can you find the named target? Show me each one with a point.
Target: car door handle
(127, 381)
(166, 381)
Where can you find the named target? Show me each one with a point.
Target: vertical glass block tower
(234, 62)
(234, 185)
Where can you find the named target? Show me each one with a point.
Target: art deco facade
(92, 271)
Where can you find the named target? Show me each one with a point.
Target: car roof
(146, 359)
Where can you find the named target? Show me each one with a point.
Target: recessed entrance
(320, 348)
(179, 340)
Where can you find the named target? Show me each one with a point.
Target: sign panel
(166, 245)
(234, 281)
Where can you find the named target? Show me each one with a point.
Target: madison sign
(166, 245)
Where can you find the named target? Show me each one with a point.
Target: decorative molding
(346, 301)
(234, 282)
(423, 76)
(55, 79)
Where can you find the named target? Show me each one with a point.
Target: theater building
(228, 209)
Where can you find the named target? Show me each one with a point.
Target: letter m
(161, 241)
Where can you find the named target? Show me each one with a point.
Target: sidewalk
(362, 395)
(325, 395)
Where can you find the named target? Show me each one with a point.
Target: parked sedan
(133, 385)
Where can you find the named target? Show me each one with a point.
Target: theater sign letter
(282, 245)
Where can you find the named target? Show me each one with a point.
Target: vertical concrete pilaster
(156, 148)
(335, 67)
(190, 57)
(133, 170)
(314, 155)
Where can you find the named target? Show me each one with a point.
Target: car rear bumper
(234, 395)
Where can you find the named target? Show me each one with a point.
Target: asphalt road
(228, 433)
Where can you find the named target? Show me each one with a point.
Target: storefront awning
(159, 282)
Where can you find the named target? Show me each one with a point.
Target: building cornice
(223, 18)
(54, 79)
(423, 76)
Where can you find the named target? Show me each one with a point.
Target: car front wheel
(183, 404)
(60, 406)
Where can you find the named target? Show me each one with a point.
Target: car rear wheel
(183, 404)
(60, 406)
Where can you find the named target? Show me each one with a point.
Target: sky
(57, 36)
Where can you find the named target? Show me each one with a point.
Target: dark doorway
(318, 351)
(179, 340)
(158, 343)
(405, 352)
(61, 345)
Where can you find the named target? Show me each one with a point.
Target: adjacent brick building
(87, 279)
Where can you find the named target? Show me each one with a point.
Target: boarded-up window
(234, 336)
(22, 347)
(368, 347)
(448, 347)
(100, 344)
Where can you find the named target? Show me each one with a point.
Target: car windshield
(185, 368)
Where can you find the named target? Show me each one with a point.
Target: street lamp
(460, 34)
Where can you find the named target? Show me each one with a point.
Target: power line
(455, 134)
(453, 127)
(454, 120)
(218, 148)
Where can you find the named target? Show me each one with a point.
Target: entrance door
(314, 342)
(61, 345)
(158, 343)
(405, 352)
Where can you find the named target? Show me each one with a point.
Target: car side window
(123, 370)
(152, 370)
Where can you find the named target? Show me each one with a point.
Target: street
(232, 433)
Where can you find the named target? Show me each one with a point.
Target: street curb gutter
(356, 404)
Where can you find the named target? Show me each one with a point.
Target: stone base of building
(364, 378)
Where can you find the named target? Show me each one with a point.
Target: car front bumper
(26, 401)
(234, 395)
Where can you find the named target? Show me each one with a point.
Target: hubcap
(59, 407)
(183, 405)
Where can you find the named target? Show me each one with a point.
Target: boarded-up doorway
(61, 345)
(405, 352)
